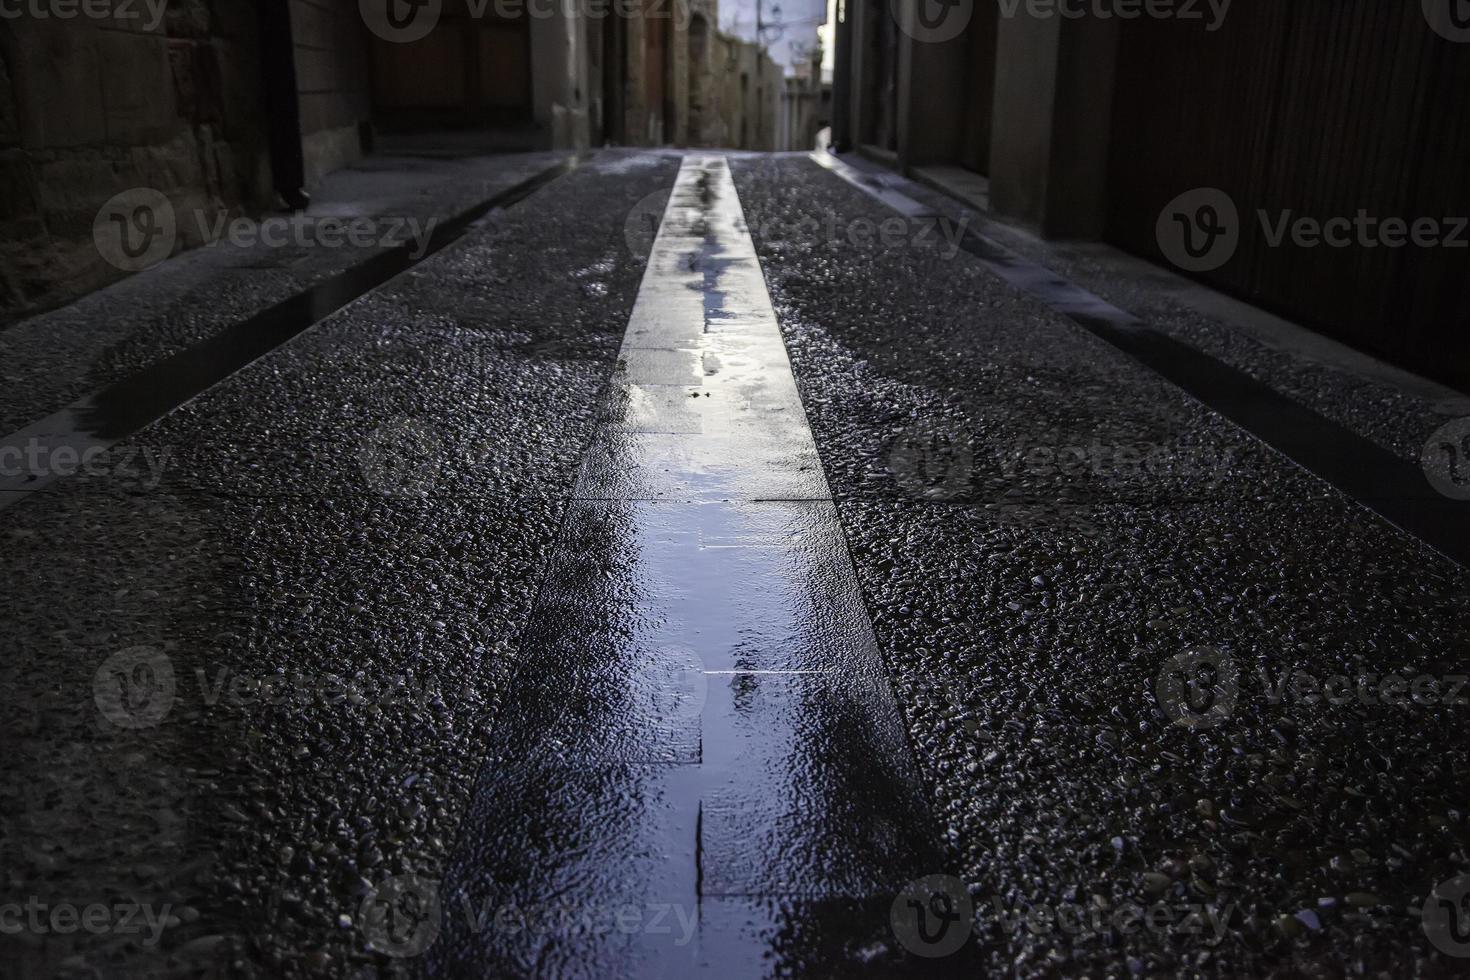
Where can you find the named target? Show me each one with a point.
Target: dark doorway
(657, 58)
(698, 69)
(468, 72)
(614, 72)
(880, 95)
(1319, 109)
(980, 38)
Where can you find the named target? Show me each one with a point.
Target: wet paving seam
(1373, 477)
(702, 718)
(101, 420)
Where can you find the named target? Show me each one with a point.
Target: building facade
(806, 104)
(231, 105)
(1091, 126)
(90, 107)
(716, 89)
(244, 105)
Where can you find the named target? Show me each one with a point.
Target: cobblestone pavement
(699, 567)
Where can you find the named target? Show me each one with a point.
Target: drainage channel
(1391, 487)
(700, 768)
(105, 417)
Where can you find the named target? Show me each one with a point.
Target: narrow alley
(680, 557)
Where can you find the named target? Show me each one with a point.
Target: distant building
(806, 104)
(1094, 125)
(690, 84)
(227, 106)
(789, 31)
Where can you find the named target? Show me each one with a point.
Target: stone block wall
(167, 98)
(332, 79)
(746, 86)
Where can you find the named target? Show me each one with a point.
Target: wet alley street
(647, 563)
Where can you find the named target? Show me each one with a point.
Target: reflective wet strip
(1377, 479)
(101, 420)
(700, 729)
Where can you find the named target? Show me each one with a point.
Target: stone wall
(332, 80)
(732, 94)
(744, 86)
(806, 106)
(90, 108)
